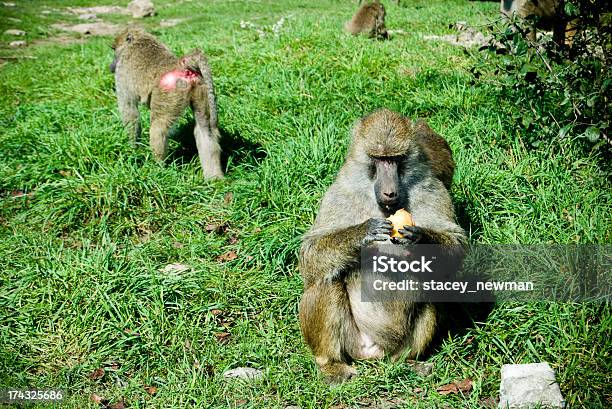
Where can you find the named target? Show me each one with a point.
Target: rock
(529, 385)
(14, 32)
(141, 8)
(243, 373)
(17, 44)
(88, 16)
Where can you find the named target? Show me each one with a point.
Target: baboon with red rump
(147, 72)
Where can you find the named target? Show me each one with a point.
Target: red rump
(169, 79)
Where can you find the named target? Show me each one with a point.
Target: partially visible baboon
(397, 1)
(392, 163)
(147, 72)
(549, 13)
(370, 20)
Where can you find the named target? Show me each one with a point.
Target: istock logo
(385, 264)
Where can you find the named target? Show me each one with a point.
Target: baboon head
(381, 143)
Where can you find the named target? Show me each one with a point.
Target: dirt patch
(465, 37)
(171, 22)
(95, 29)
(62, 39)
(98, 10)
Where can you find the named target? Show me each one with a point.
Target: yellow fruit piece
(400, 219)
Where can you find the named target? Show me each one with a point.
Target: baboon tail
(204, 68)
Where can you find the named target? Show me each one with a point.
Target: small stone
(243, 373)
(528, 386)
(421, 368)
(141, 8)
(14, 32)
(17, 44)
(88, 16)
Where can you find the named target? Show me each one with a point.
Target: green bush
(558, 91)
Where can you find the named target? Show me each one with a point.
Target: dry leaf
(227, 199)
(229, 256)
(218, 228)
(211, 227)
(175, 268)
(216, 312)
(151, 390)
(96, 398)
(233, 240)
(178, 245)
(222, 337)
(65, 173)
(417, 390)
(114, 366)
(97, 373)
(464, 385)
(448, 388)
(20, 193)
(118, 405)
(241, 402)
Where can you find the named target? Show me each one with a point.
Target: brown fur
(335, 323)
(551, 17)
(140, 62)
(369, 20)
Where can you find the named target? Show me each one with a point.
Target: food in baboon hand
(400, 219)
(147, 72)
(393, 163)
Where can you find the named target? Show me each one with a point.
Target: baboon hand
(379, 229)
(411, 235)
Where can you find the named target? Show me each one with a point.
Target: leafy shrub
(557, 91)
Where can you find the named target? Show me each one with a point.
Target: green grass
(81, 249)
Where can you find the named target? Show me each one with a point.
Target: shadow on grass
(235, 149)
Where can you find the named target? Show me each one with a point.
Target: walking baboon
(392, 163)
(549, 13)
(370, 20)
(147, 72)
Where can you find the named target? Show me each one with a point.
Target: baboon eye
(372, 171)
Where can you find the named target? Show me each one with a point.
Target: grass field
(88, 223)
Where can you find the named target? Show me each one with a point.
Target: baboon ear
(129, 37)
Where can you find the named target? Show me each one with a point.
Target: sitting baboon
(369, 20)
(392, 163)
(147, 72)
(549, 13)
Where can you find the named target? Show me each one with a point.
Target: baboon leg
(128, 108)
(207, 140)
(329, 329)
(160, 128)
(165, 110)
(423, 330)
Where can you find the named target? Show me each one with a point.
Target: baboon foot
(338, 372)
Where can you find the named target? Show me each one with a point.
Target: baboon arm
(432, 211)
(325, 255)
